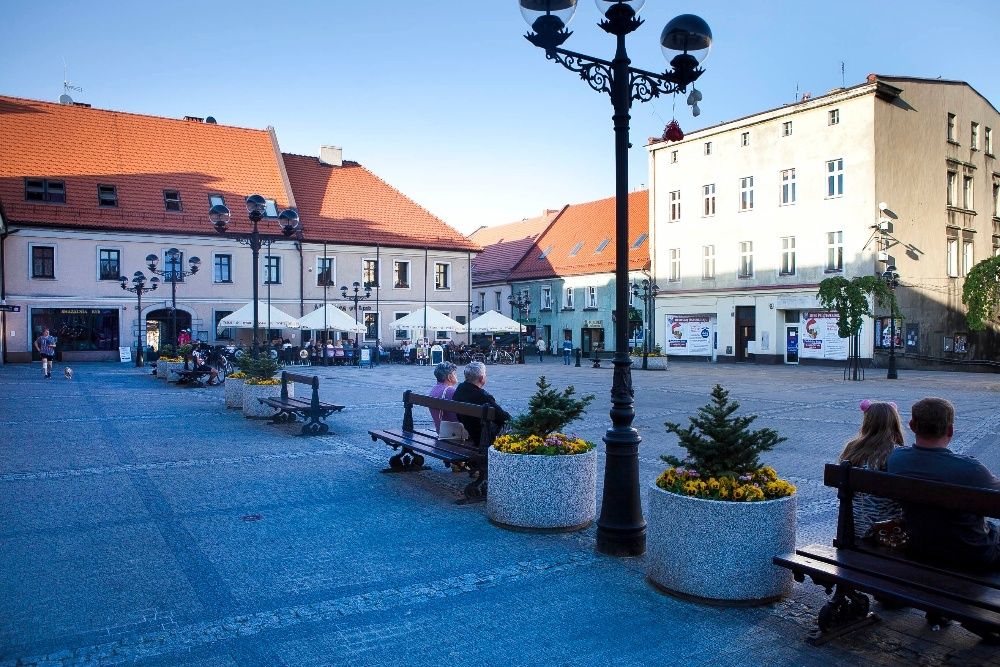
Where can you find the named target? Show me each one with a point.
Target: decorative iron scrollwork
(597, 73)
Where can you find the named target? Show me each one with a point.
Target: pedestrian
(540, 346)
(184, 337)
(567, 348)
(46, 346)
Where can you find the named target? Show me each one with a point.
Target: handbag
(890, 534)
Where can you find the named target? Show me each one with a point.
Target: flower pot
(652, 363)
(719, 551)
(167, 370)
(251, 392)
(234, 392)
(535, 491)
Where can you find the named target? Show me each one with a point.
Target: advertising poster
(689, 335)
(820, 339)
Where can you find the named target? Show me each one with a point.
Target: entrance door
(586, 345)
(792, 344)
(164, 318)
(746, 319)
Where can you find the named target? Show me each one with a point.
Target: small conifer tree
(720, 444)
(550, 410)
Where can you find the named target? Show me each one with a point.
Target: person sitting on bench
(957, 538)
(446, 374)
(201, 364)
(471, 391)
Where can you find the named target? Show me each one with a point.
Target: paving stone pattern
(145, 523)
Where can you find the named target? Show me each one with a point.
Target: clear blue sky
(446, 101)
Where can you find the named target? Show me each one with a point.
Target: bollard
(578, 352)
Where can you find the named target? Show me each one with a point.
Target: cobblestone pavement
(124, 531)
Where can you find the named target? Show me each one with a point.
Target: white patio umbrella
(493, 322)
(243, 318)
(429, 319)
(336, 320)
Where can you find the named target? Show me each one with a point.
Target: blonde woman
(881, 432)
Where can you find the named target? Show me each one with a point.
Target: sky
(447, 101)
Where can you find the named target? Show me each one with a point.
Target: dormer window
(172, 200)
(214, 200)
(44, 190)
(107, 196)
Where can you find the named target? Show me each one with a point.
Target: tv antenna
(67, 86)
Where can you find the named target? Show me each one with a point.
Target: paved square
(123, 539)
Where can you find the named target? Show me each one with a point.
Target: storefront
(80, 332)
(592, 336)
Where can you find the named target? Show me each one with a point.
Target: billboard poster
(820, 339)
(690, 335)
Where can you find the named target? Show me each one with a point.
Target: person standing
(46, 346)
(540, 346)
(567, 348)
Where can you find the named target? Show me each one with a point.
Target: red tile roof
(349, 204)
(141, 156)
(587, 225)
(504, 246)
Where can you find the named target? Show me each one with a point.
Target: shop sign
(821, 339)
(689, 335)
(593, 324)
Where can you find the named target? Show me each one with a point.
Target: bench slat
(441, 449)
(983, 578)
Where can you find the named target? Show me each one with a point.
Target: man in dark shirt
(471, 391)
(960, 538)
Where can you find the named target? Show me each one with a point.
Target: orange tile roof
(349, 204)
(589, 225)
(141, 156)
(504, 246)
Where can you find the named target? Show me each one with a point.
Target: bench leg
(315, 427)
(847, 611)
(405, 461)
(475, 491)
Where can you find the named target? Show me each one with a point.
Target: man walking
(46, 346)
(567, 348)
(540, 346)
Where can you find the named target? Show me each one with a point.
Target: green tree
(261, 367)
(852, 300)
(981, 293)
(720, 444)
(550, 410)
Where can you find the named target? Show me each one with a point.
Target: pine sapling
(550, 410)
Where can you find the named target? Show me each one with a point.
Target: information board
(689, 335)
(820, 339)
(125, 354)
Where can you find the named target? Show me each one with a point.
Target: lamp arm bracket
(596, 72)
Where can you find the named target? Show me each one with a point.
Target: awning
(335, 320)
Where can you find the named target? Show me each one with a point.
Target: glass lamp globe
(544, 14)
(688, 34)
(604, 5)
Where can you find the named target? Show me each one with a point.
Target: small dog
(68, 372)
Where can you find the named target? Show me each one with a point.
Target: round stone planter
(652, 363)
(717, 551)
(167, 370)
(251, 392)
(538, 492)
(234, 392)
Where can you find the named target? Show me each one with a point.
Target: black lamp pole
(219, 215)
(521, 303)
(646, 291)
(172, 274)
(355, 297)
(139, 288)
(621, 529)
(891, 279)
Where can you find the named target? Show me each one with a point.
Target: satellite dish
(65, 99)
(211, 119)
(886, 211)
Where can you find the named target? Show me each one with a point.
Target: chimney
(331, 155)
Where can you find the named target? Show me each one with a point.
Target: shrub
(262, 367)
(550, 410)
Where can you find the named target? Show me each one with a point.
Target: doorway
(164, 321)
(746, 332)
(792, 344)
(592, 339)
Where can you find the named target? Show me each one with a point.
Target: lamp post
(646, 291)
(219, 216)
(355, 297)
(621, 530)
(171, 274)
(139, 288)
(891, 279)
(521, 303)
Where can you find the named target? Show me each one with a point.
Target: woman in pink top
(447, 378)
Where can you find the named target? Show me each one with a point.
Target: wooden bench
(192, 377)
(851, 567)
(312, 408)
(414, 443)
(596, 355)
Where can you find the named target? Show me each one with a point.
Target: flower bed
(762, 484)
(554, 444)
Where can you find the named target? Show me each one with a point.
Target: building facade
(749, 216)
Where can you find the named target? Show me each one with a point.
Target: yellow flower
(713, 484)
(738, 493)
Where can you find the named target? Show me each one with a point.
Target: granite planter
(719, 551)
(167, 370)
(652, 363)
(254, 408)
(234, 392)
(539, 492)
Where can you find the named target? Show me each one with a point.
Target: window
(996, 200)
(109, 264)
(272, 269)
(482, 302)
(746, 193)
(326, 272)
(787, 187)
(591, 297)
(953, 257)
(952, 188)
(745, 139)
(951, 128)
(639, 241)
(673, 157)
(214, 200)
(270, 208)
(107, 195)
(44, 190)
(968, 203)
(746, 259)
(708, 200)
(546, 298)
(496, 297)
(369, 273)
(968, 256)
(788, 255)
(371, 326)
(602, 245)
(442, 275)
(835, 251)
(43, 261)
(708, 262)
(675, 264)
(401, 334)
(708, 148)
(675, 205)
(401, 274)
(833, 117)
(786, 128)
(172, 271)
(568, 298)
(835, 178)
(974, 137)
(228, 332)
(545, 252)
(575, 249)
(222, 269)
(989, 140)
(172, 200)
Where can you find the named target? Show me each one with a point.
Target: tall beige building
(750, 215)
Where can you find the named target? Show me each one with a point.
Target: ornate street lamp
(891, 279)
(171, 274)
(139, 288)
(646, 291)
(219, 216)
(685, 41)
(355, 297)
(521, 303)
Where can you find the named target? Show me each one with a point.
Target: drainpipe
(426, 267)
(378, 286)
(468, 304)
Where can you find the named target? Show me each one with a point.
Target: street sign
(9, 309)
